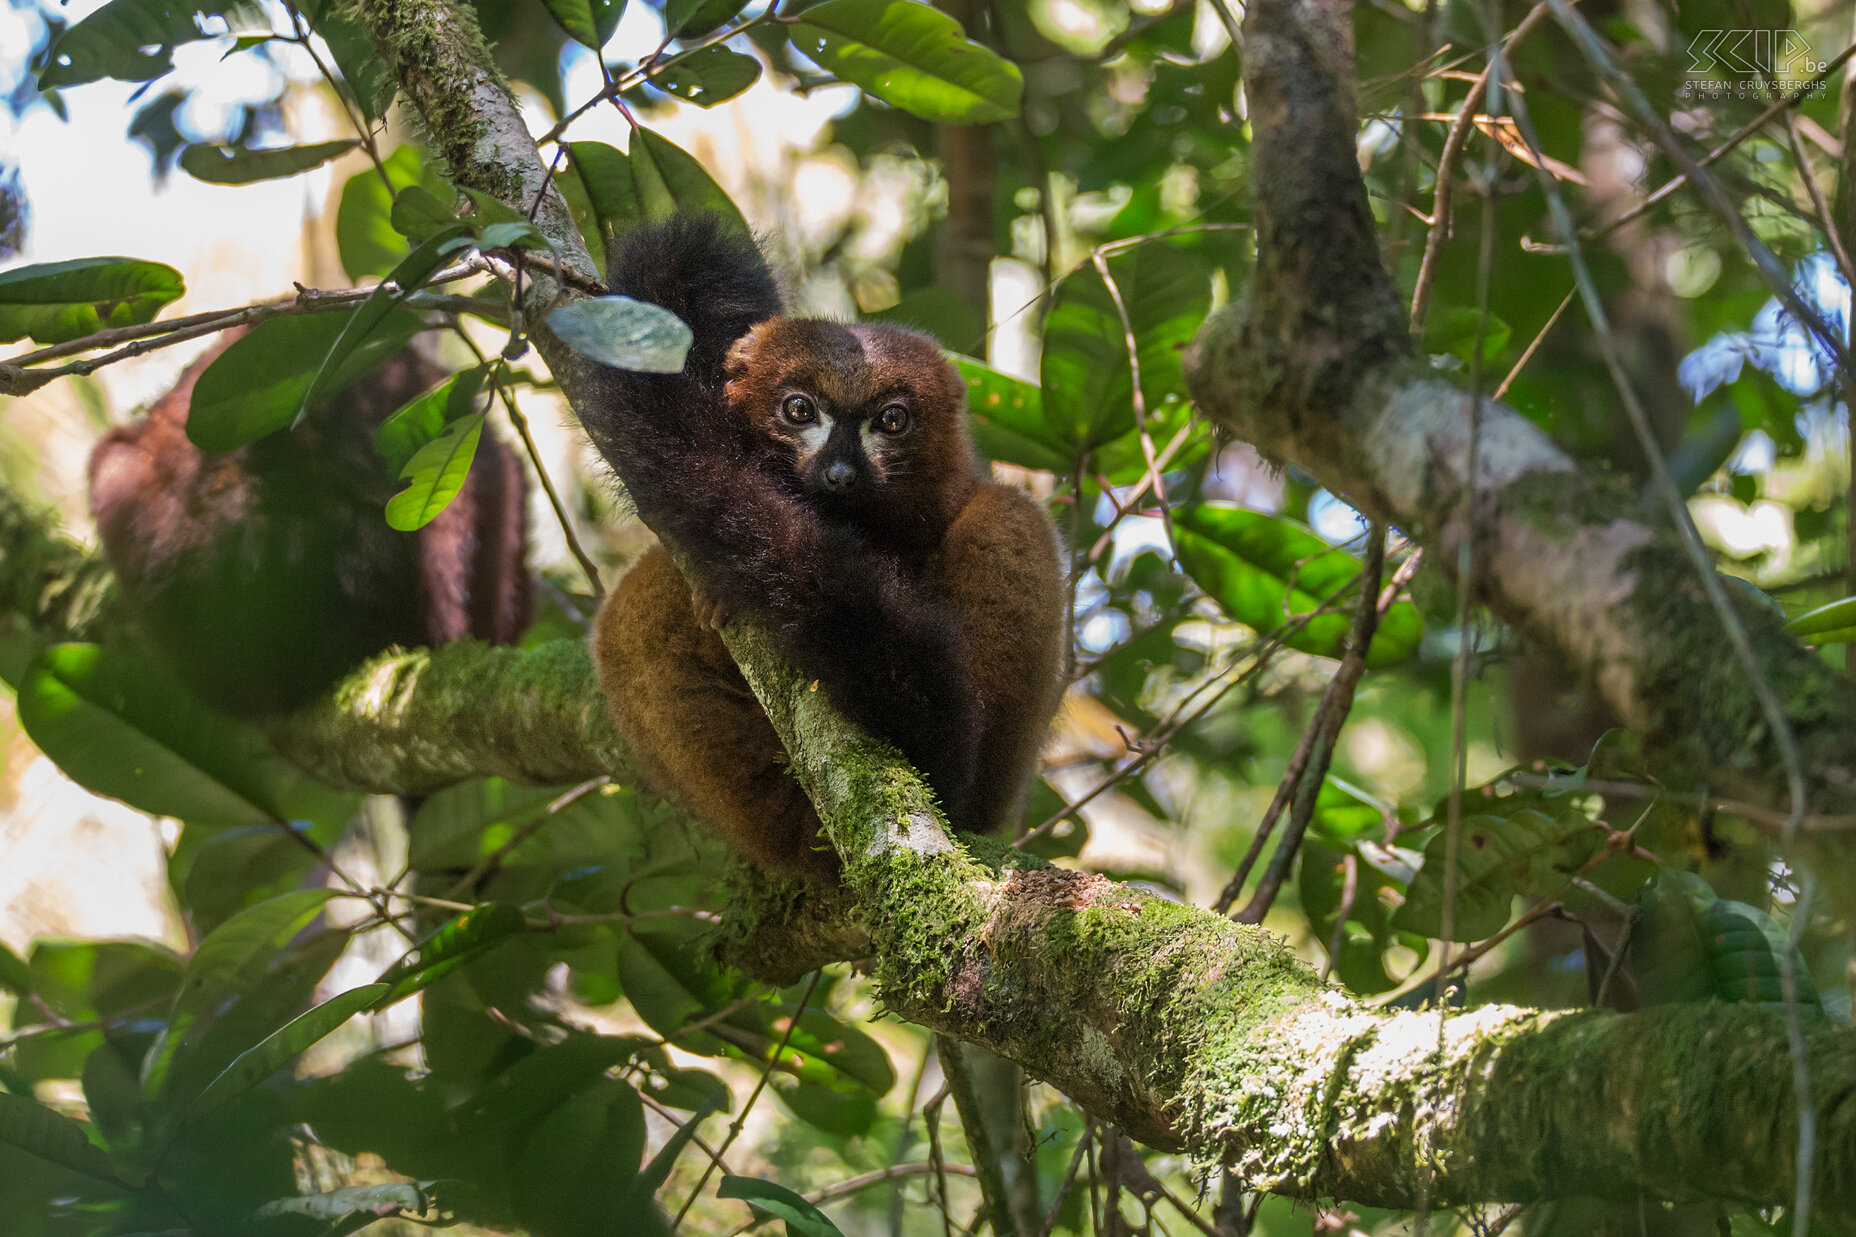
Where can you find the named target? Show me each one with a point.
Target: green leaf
(372, 1200)
(364, 233)
(423, 418)
(605, 174)
(407, 278)
(230, 962)
(255, 386)
(1497, 860)
(1263, 571)
(236, 165)
(1828, 624)
(52, 1136)
(1455, 330)
(1692, 945)
(369, 79)
(120, 725)
(654, 1174)
(1087, 381)
(54, 302)
(711, 76)
(1008, 419)
(456, 942)
(130, 39)
(589, 23)
(284, 1045)
(436, 472)
(14, 977)
(574, 1172)
(624, 333)
(911, 57)
(668, 181)
(689, 19)
(418, 213)
(802, 1218)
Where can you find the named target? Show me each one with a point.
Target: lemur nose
(839, 475)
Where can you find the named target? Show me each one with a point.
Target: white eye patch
(811, 437)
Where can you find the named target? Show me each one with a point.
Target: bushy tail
(714, 278)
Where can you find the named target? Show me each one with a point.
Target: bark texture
(1315, 367)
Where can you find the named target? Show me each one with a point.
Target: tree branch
(1315, 367)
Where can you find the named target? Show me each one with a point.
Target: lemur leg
(696, 730)
(1004, 573)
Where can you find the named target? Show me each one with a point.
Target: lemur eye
(893, 419)
(799, 410)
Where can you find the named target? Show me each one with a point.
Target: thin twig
(735, 1126)
(1155, 481)
(1336, 704)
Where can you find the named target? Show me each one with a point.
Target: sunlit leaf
(1834, 623)
(364, 234)
(668, 181)
(131, 39)
(624, 333)
(912, 57)
(54, 302)
(424, 417)
(434, 475)
(711, 76)
(1008, 419)
(237, 165)
(373, 1200)
(120, 725)
(1264, 571)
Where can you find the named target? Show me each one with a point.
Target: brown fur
(265, 573)
(928, 603)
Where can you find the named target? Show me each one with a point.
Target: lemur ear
(741, 354)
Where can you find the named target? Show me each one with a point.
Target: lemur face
(868, 416)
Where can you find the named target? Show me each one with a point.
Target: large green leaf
(34, 1128)
(589, 23)
(1264, 571)
(369, 79)
(912, 57)
(802, 1219)
(229, 963)
(711, 76)
(574, 1172)
(435, 474)
(1087, 380)
(1834, 623)
(237, 165)
(456, 942)
(689, 19)
(54, 302)
(284, 1045)
(424, 417)
(255, 386)
(669, 181)
(130, 39)
(364, 234)
(652, 1177)
(120, 725)
(1008, 419)
(1692, 945)
(1498, 859)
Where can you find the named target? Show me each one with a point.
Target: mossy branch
(1314, 366)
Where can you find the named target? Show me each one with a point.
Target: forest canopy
(1444, 411)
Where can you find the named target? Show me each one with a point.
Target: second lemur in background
(264, 574)
(821, 481)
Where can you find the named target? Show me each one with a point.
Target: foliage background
(553, 1055)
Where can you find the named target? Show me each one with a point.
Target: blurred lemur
(264, 574)
(820, 480)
